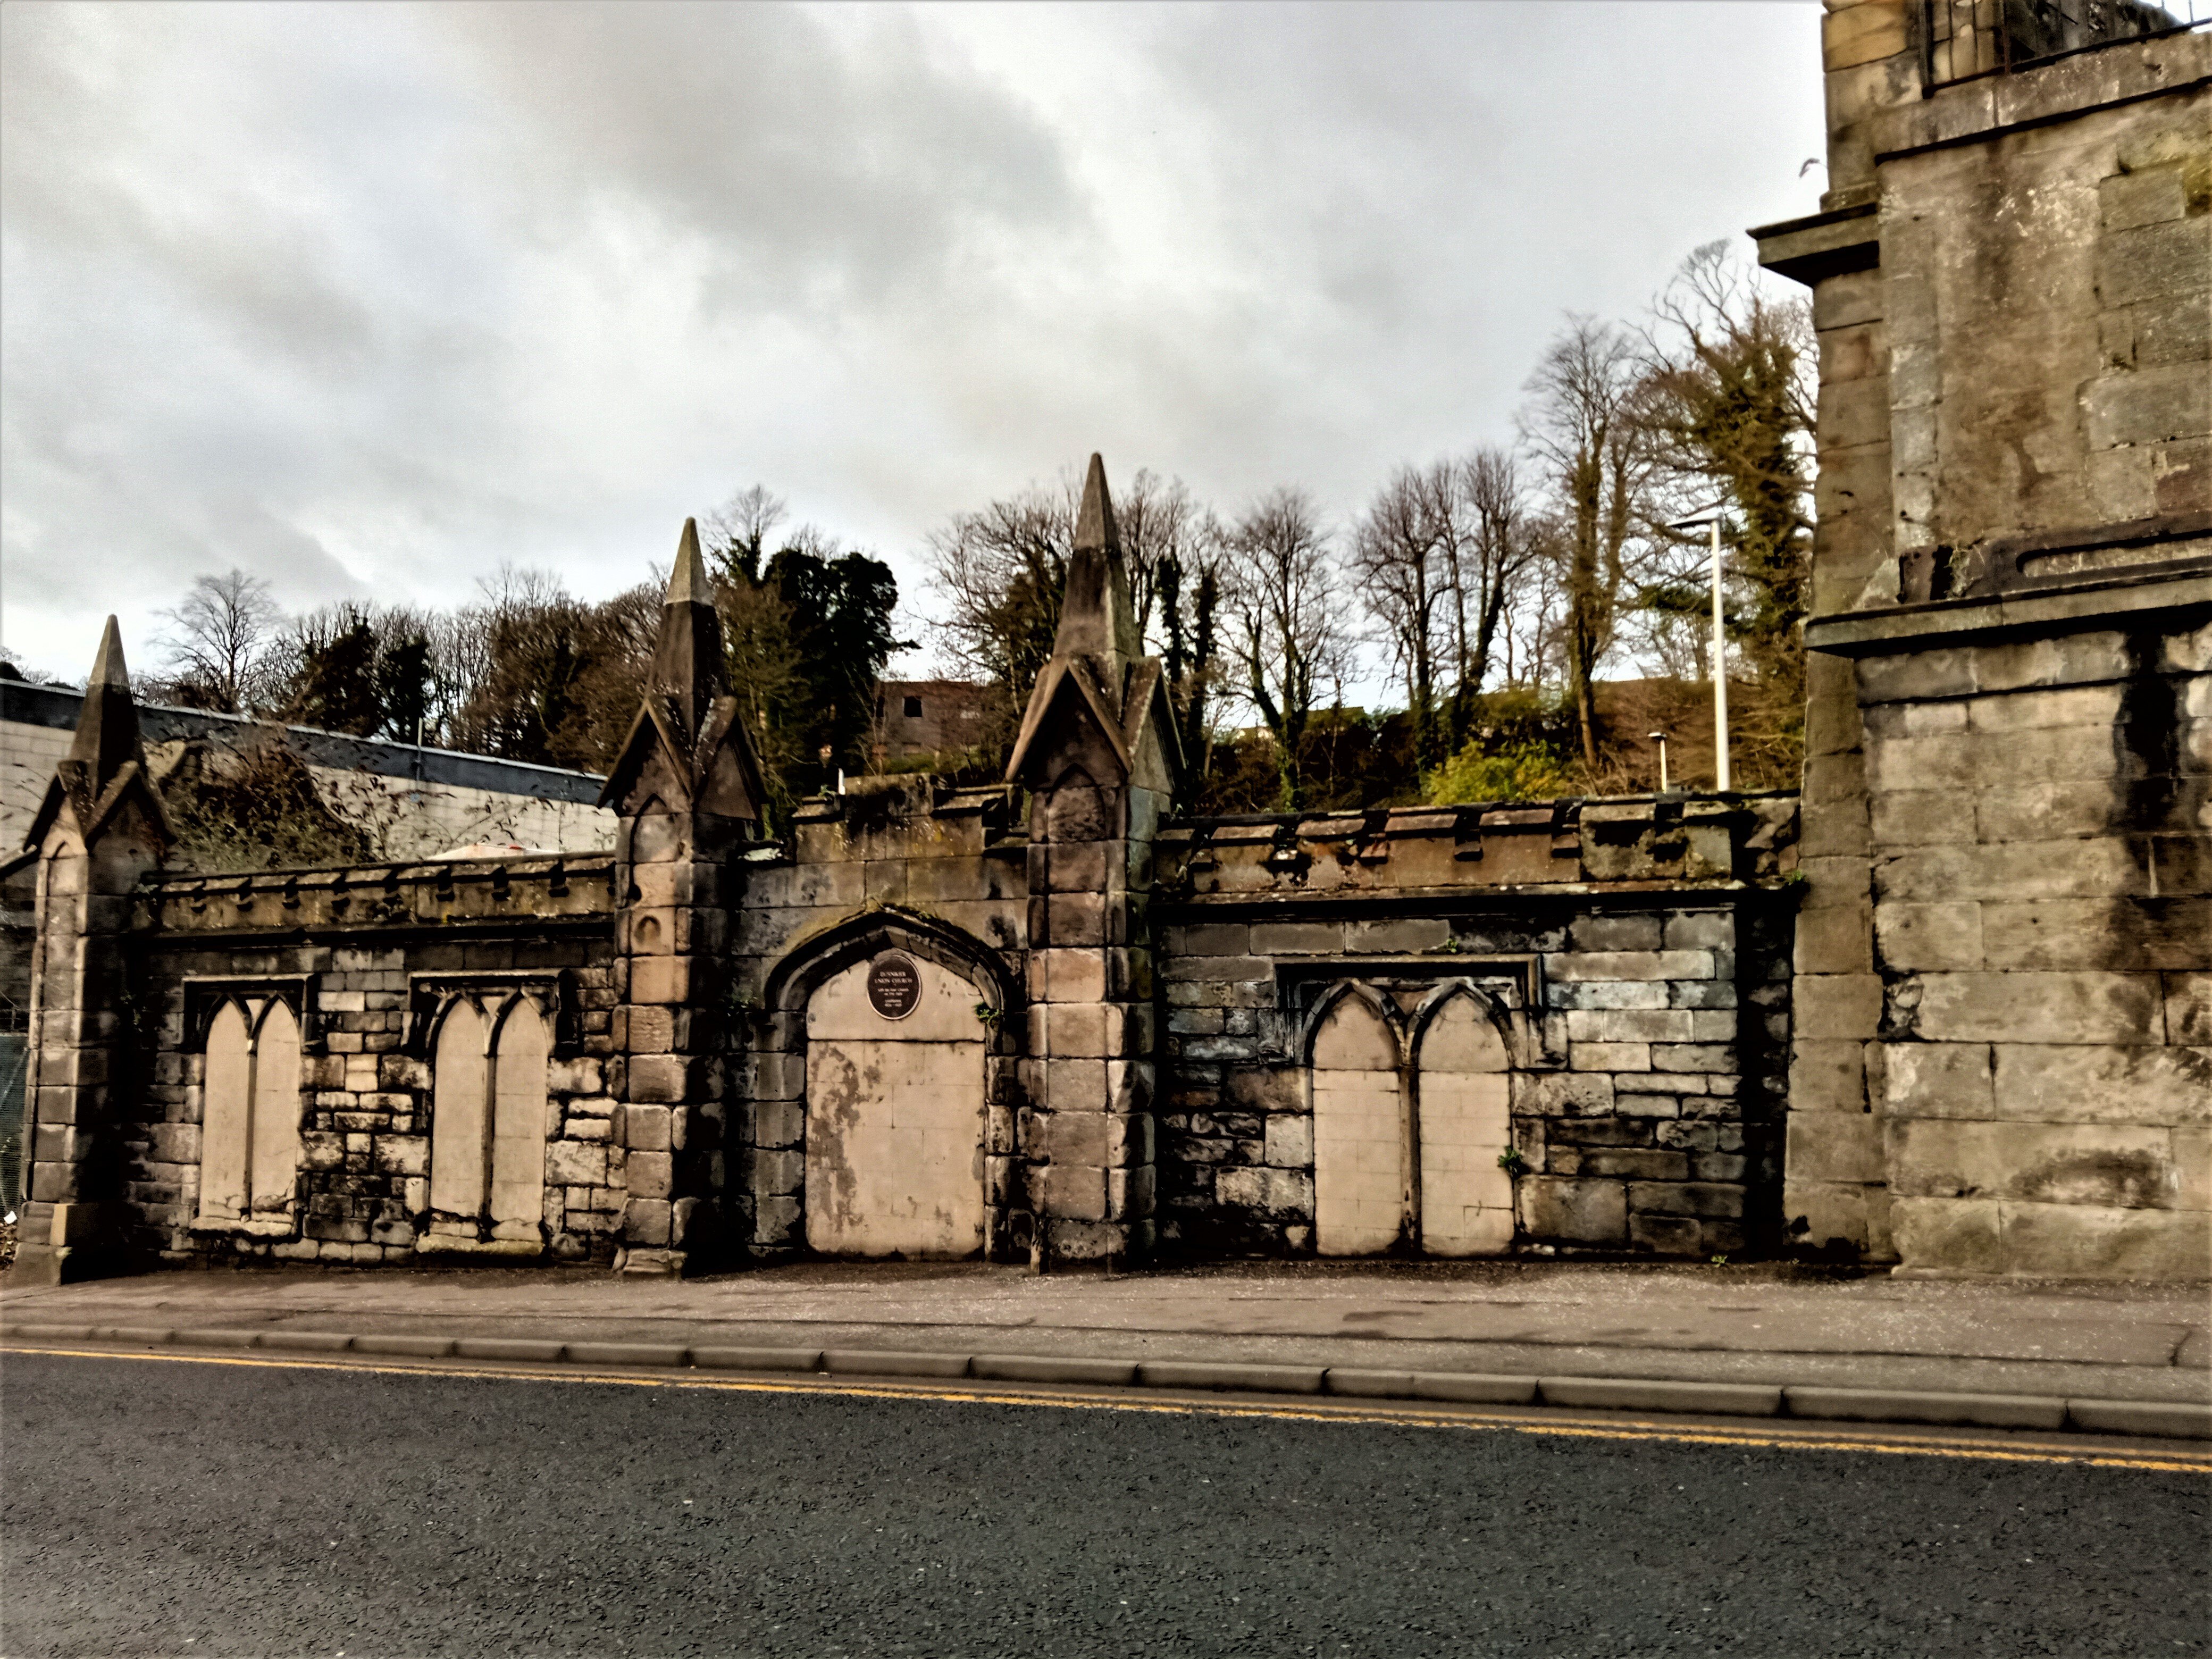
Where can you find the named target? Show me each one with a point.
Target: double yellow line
(1875, 1439)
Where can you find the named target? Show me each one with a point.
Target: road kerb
(531, 1350)
(1047, 1368)
(1980, 1411)
(1359, 1382)
(1473, 1388)
(883, 1362)
(2170, 1420)
(1257, 1379)
(630, 1353)
(726, 1357)
(2178, 1420)
(411, 1347)
(1636, 1394)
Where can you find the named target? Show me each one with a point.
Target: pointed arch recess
(521, 1046)
(274, 1138)
(1463, 1087)
(459, 1120)
(226, 1113)
(1361, 1135)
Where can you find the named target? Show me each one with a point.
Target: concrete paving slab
(1753, 1326)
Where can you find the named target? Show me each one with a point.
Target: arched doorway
(896, 1110)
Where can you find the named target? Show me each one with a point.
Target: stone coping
(2175, 1420)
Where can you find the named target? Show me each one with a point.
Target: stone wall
(369, 961)
(1634, 953)
(1999, 1065)
(1036, 1021)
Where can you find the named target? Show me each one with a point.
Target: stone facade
(1044, 1021)
(2003, 1062)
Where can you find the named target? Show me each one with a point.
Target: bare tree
(1582, 424)
(1402, 551)
(1292, 637)
(1000, 571)
(735, 534)
(223, 629)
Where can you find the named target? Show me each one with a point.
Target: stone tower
(2003, 1052)
(1098, 752)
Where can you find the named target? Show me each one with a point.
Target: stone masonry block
(1836, 939)
(1838, 1005)
(1630, 933)
(2032, 1007)
(1917, 936)
(1630, 1025)
(1833, 1147)
(1575, 1211)
(1717, 1199)
(2066, 1083)
(1827, 1075)
(574, 1164)
(1701, 930)
(1290, 1141)
(1276, 1192)
(1610, 1057)
(1938, 1079)
(1562, 1094)
(1297, 938)
(1631, 965)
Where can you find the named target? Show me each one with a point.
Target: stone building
(1044, 1020)
(2003, 1058)
(1963, 1026)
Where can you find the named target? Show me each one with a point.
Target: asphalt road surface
(164, 1506)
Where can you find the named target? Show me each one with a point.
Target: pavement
(1754, 1324)
(164, 1503)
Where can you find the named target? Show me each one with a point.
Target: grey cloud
(825, 166)
(368, 299)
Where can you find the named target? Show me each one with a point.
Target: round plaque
(894, 985)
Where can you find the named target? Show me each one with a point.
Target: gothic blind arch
(1463, 1093)
(250, 1112)
(1360, 1135)
(489, 1116)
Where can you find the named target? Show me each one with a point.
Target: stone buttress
(1099, 754)
(689, 793)
(101, 828)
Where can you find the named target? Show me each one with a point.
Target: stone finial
(107, 730)
(688, 748)
(687, 663)
(687, 582)
(1097, 618)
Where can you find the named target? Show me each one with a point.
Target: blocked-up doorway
(895, 1111)
(1405, 1153)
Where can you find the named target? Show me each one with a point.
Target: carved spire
(1098, 677)
(687, 664)
(106, 766)
(688, 750)
(1097, 618)
(107, 730)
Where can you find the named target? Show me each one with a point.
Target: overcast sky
(368, 301)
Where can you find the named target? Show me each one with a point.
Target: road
(179, 1507)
